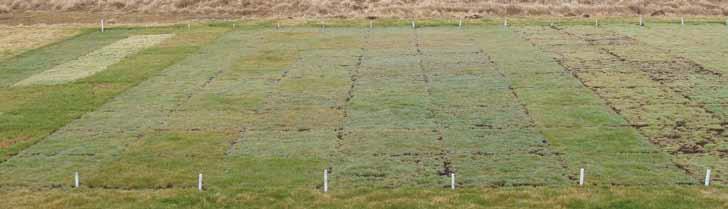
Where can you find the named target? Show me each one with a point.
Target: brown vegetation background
(376, 8)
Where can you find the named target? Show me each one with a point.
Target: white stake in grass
(102, 25)
(505, 22)
(682, 20)
(581, 177)
(642, 21)
(189, 26)
(413, 24)
(371, 24)
(326, 180)
(76, 180)
(460, 23)
(707, 177)
(278, 25)
(452, 181)
(596, 22)
(199, 182)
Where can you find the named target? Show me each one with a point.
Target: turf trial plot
(95, 61)
(266, 110)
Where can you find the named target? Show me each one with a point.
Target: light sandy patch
(95, 61)
(16, 40)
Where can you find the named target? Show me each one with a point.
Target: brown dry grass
(16, 40)
(377, 8)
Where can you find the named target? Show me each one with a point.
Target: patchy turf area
(261, 112)
(17, 40)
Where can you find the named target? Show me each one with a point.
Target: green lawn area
(390, 112)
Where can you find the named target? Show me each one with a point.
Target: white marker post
(707, 177)
(413, 25)
(460, 23)
(596, 22)
(682, 20)
(199, 182)
(278, 26)
(76, 180)
(371, 24)
(102, 25)
(452, 181)
(189, 26)
(505, 22)
(326, 180)
(581, 177)
(642, 21)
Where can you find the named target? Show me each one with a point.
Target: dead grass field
(377, 8)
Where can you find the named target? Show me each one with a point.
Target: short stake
(642, 21)
(371, 24)
(199, 182)
(76, 180)
(278, 26)
(102, 25)
(189, 26)
(413, 24)
(682, 20)
(326, 180)
(596, 22)
(707, 177)
(581, 177)
(452, 181)
(460, 23)
(505, 22)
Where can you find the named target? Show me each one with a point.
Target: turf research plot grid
(266, 109)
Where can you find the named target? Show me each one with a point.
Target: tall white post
(452, 180)
(581, 177)
(326, 180)
(102, 25)
(460, 23)
(682, 20)
(505, 22)
(596, 22)
(707, 177)
(413, 24)
(199, 182)
(76, 180)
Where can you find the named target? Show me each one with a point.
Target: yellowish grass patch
(95, 61)
(16, 40)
